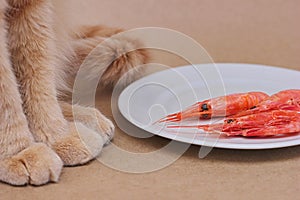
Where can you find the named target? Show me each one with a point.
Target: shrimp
(261, 124)
(283, 100)
(219, 106)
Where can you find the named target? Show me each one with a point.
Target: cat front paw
(102, 125)
(79, 146)
(95, 120)
(91, 118)
(36, 165)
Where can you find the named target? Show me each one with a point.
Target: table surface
(264, 32)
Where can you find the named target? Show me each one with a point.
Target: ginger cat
(37, 131)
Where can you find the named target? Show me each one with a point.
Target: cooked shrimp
(283, 100)
(219, 106)
(261, 124)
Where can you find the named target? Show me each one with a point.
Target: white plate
(153, 97)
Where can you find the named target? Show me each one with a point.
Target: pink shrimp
(261, 124)
(219, 106)
(283, 100)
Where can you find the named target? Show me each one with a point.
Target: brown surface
(257, 31)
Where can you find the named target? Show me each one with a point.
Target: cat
(38, 134)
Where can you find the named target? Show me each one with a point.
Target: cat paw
(36, 165)
(79, 146)
(95, 120)
(90, 117)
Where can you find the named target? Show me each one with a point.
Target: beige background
(252, 31)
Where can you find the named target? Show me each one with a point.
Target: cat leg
(90, 117)
(32, 48)
(21, 160)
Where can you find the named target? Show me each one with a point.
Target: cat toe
(13, 172)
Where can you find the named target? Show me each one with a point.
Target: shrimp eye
(204, 107)
(205, 116)
(230, 121)
(253, 107)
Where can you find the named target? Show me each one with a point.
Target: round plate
(153, 97)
